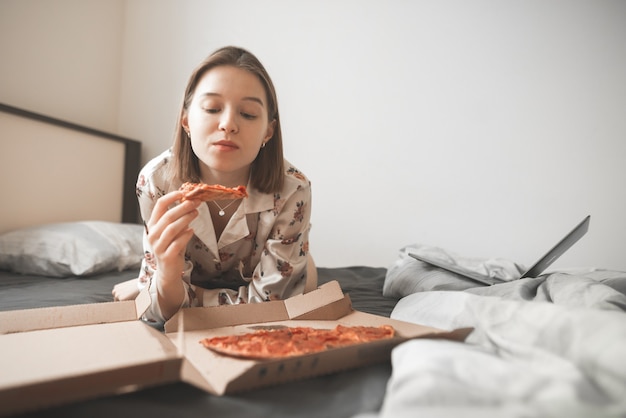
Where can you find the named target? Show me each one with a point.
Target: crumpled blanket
(552, 346)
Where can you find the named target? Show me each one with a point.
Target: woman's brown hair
(267, 171)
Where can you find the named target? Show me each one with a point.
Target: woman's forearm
(171, 295)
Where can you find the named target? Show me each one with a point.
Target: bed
(541, 347)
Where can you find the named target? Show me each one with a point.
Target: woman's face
(228, 122)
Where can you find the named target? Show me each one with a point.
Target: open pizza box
(58, 355)
(52, 356)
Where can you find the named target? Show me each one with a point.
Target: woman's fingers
(178, 218)
(168, 226)
(166, 213)
(164, 202)
(162, 206)
(175, 235)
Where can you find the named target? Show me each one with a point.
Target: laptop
(548, 258)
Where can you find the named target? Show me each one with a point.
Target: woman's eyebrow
(255, 99)
(248, 98)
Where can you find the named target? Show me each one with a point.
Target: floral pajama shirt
(261, 255)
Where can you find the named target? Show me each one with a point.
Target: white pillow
(72, 248)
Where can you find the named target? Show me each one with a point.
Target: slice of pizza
(206, 192)
(294, 341)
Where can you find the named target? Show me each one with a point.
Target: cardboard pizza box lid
(325, 308)
(51, 356)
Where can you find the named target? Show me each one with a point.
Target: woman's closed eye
(216, 110)
(247, 115)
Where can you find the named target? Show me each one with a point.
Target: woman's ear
(270, 130)
(184, 121)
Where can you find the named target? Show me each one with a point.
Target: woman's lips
(225, 145)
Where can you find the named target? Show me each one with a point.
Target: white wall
(484, 127)
(488, 128)
(62, 58)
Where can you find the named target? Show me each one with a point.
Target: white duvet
(554, 346)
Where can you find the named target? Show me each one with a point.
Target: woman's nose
(228, 122)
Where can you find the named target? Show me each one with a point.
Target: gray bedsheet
(342, 394)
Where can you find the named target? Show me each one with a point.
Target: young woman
(233, 251)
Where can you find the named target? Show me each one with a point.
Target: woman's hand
(168, 234)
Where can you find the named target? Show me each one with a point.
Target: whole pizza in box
(286, 341)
